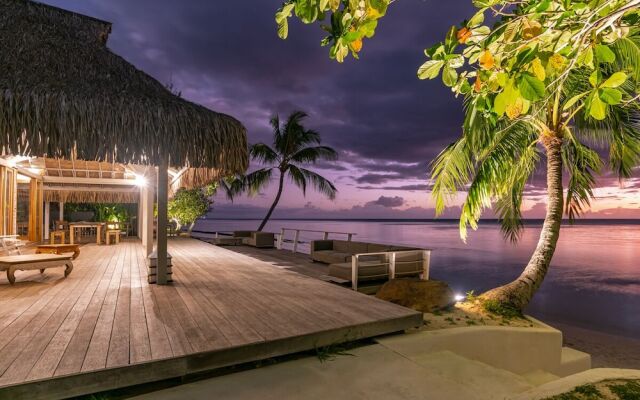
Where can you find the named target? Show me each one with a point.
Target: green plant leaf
(430, 69)
(615, 80)
(597, 108)
(449, 76)
(573, 100)
(605, 54)
(594, 78)
(531, 87)
(477, 19)
(610, 96)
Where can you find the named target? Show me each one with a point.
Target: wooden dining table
(81, 225)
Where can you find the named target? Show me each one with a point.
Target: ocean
(593, 281)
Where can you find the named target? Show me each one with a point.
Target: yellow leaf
(477, 86)
(463, 35)
(486, 60)
(538, 69)
(531, 29)
(514, 110)
(557, 61)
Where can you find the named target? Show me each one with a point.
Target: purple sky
(386, 124)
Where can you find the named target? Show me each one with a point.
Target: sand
(610, 351)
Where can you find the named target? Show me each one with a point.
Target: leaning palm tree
(293, 146)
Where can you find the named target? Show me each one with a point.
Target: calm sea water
(593, 282)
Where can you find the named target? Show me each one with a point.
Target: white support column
(139, 216)
(61, 212)
(161, 234)
(47, 217)
(147, 218)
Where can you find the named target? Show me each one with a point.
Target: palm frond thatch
(90, 195)
(63, 93)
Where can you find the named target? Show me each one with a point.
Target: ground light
(459, 297)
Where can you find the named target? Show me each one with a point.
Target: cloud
(389, 202)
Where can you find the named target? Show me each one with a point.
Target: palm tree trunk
(517, 294)
(275, 203)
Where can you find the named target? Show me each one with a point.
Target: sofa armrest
(262, 239)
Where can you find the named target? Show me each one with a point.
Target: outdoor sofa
(256, 239)
(374, 261)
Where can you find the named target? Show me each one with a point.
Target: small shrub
(629, 390)
(503, 310)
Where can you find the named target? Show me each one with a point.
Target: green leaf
(605, 54)
(573, 100)
(455, 60)
(610, 96)
(477, 19)
(597, 108)
(430, 69)
(615, 80)
(449, 76)
(369, 28)
(531, 87)
(500, 103)
(594, 78)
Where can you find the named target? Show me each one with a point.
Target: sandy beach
(606, 350)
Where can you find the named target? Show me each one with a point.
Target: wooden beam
(161, 233)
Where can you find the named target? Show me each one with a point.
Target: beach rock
(424, 296)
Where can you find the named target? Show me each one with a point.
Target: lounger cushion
(331, 257)
(377, 248)
(368, 271)
(372, 270)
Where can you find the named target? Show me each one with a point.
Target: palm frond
(257, 180)
(508, 205)
(320, 183)
(450, 171)
(581, 163)
(495, 171)
(298, 178)
(263, 153)
(627, 50)
(313, 154)
(624, 151)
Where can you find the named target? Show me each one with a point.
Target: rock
(424, 296)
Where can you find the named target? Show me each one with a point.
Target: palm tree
(293, 146)
(494, 162)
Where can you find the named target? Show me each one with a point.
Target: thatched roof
(80, 194)
(63, 93)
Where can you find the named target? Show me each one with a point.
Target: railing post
(426, 260)
(280, 239)
(295, 240)
(392, 265)
(325, 236)
(354, 272)
(217, 234)
(349, 236)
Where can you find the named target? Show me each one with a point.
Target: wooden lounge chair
(24, 262)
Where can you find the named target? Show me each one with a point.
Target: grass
(629, 390)
(503, 310)
(609, 390)
(331, 352)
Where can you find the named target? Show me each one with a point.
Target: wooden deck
(104, 327)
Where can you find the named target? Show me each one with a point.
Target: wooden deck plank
(67, 314)
(118, 353)
(140, 349)
(105, 326)
(159, 344)
(96, 356)
(75, 352)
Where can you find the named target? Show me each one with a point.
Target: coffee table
(59, 249)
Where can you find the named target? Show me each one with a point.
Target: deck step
(539, 377)
(482, 379)
(572, 361)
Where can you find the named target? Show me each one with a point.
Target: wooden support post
(61, 211)
(47, 217)
(139, 216)
(349, 236)
(295, 240)
(147, 219)
(161, 234)
(392, 265)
